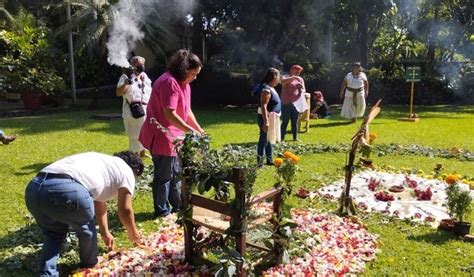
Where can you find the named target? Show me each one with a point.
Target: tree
(357, 23)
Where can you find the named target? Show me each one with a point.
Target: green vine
(250, 175)
(205, 170)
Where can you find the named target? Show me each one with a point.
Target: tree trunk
(198, 32)
(433, 33)
(362, 38)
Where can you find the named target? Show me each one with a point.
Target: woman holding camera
(135, 89)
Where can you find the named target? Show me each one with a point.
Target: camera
(128, 71)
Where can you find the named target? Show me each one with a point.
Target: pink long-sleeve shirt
(290, 92)
(168, 93)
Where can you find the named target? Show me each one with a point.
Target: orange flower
(295, 159)
(456, 150)
(372, 137)
(278, 162)
(287, 154)
(451, 179)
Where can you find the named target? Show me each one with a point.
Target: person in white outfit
(354, 90)
(134, 88)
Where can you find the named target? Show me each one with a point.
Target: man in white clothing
(71, 192)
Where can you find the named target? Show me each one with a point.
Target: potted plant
(38, 82)
(459, 205)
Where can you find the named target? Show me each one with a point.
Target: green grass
(405, 249)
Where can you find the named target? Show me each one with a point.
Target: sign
(413, 74)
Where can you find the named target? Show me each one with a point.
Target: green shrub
(28, 59)
(459, 202)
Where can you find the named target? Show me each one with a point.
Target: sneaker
(297, 140)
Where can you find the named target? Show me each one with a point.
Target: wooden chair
(208, 213)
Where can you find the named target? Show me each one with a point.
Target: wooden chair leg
(188, 242)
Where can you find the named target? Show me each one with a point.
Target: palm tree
(93, 18)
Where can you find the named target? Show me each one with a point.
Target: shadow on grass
(435, 238)
(74, 120)
(330, 124)
(21, 264)
(32, 168)
(27, 235)
(20, 253)
(144, 216)
(244, 144)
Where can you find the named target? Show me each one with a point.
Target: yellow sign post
(412, 75)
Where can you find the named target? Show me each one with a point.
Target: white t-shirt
(134, 92)
(355, 81)
(101, 174)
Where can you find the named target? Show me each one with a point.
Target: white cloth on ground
(405, 205)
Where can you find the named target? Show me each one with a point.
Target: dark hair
(133, 160)
(270, 75)
(182, 61)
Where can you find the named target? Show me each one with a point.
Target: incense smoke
(131, 16)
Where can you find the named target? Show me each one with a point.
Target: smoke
(448, 36)
(316, 14)
(131, 16)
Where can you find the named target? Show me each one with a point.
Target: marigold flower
(451, 179)
(278, 162)
(287, 154)
(295, 159)
(372, 137)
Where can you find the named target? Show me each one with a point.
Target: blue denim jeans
(264, 148)
(166, 185)
(58, 204)
(289, 112)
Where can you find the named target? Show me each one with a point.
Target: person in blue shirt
(268, 102)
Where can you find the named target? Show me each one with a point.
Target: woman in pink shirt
(169, 116)
(292, 87)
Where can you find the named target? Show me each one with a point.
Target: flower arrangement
(410, 183)
(423, 195)
(366, 149)
(374, 184)
(451, 179)
(286, 169)
(384, 196)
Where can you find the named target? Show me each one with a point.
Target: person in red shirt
(292, 88)
(168, 117)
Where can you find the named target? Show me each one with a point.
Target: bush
(28, 58)
(459, 202)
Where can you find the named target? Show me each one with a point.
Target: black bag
(136, 109)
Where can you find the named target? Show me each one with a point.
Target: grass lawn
(405, 249)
